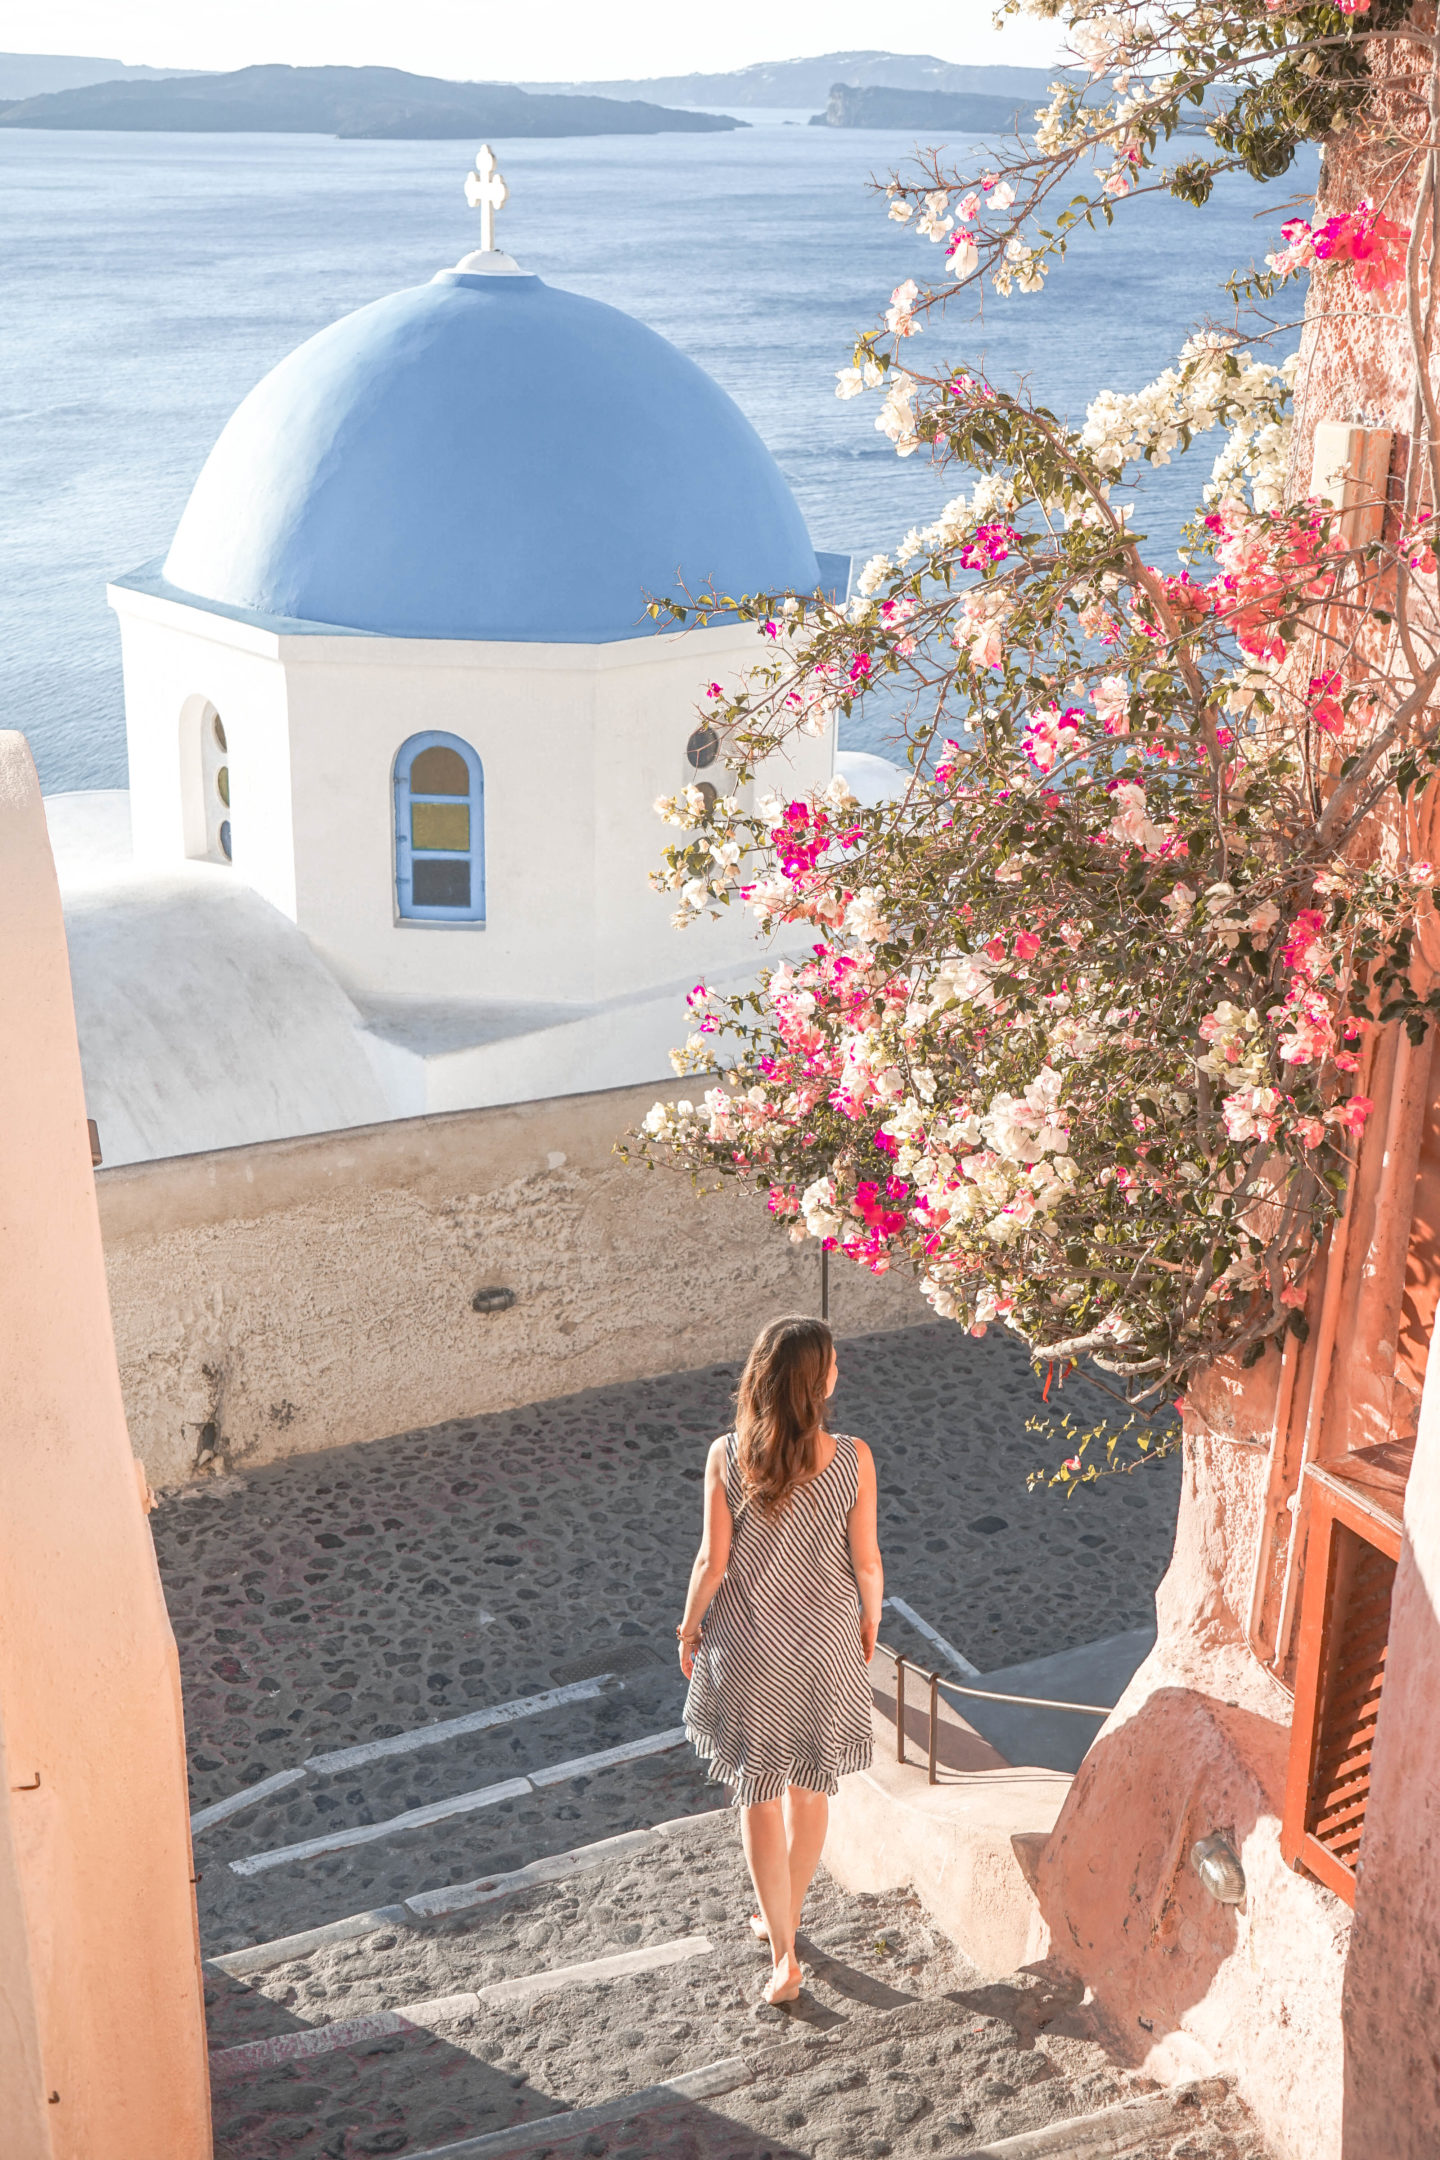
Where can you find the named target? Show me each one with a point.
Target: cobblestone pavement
(341, 1597)
(896, 2045)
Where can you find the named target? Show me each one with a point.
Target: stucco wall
(1392, 1982)
(102, 2036)
(305, 1293)
(576, 741)
(1199, 1743)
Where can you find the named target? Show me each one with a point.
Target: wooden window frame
(1329, 1506)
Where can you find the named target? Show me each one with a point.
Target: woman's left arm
(865, 1552)
(712, 1559)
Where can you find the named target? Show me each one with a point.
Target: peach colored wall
(1198, 1743)
(100, 1997)
(1392, 1984)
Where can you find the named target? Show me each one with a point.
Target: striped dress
(780, 1693)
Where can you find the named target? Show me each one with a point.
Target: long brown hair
(781, 1408)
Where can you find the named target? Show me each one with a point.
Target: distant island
(966, 113)
(876, 106)
(369, 103)
(808, 83)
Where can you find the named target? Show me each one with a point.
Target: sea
(151, 280)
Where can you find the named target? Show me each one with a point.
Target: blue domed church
(397, 717)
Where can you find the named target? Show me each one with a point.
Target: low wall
(305, 1293)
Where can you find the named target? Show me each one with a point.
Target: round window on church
(702, 749)
(206, 769)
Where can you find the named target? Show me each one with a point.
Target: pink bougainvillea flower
(1326, 710)
(1298, 252)
(1051, 736)
(1026, 945)
(1303, 932)
(1111, 699)
(1373, 244)
(962, 256)
(1352, 1114)
(860, 667)
(992, 543)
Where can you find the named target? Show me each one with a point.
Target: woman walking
(781, 1620)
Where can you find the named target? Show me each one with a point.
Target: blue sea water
(150, 280)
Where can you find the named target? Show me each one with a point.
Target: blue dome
(487, 457)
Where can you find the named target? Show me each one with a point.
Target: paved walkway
(896, 2046)
(337, 1598)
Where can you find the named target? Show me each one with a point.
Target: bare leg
(762, 1832)
(807, 1818)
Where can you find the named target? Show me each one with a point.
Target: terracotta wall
(1392, 1984)
(102, 2041)
(1199, 1743)
(305, 1293)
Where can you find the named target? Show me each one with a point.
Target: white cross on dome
(485, 191)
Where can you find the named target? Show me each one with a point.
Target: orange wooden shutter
(1350, 1558)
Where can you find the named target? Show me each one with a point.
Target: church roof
(487, 457)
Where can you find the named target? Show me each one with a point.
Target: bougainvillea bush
(1078, 1024)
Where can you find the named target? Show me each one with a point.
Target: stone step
(339, 1839)
(1133, 2130)
(580, 1806)
(443, 2009)
(551, 2132)
(895, 2044)
(392, 1774)
(440, 1732)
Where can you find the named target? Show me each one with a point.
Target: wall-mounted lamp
(1217, 1864)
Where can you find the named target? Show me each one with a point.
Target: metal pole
(934, 1722)
(824, 1282)
(899, 1709)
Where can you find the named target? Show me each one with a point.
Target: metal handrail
(938, 1680)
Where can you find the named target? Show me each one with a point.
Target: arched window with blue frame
(439, 831)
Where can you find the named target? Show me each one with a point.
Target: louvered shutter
(1350, 1558)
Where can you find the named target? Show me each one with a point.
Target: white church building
(397, 718)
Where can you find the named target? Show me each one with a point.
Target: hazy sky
(551, 41)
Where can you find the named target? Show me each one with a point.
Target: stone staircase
(350, 1828)
(605, 2001)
